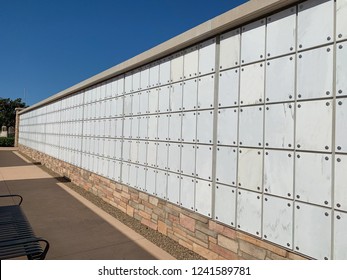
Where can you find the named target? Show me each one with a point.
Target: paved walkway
(75, 228)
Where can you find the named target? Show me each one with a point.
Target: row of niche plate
(314, 121)
(284, 21)
(276, 82)
(282, 25)
(193, 62)
(163, 184)
(284, 33)
(313, 82)
(192, 160)
(313, 171)
(292, 225)
(279, 172)
(273, 174)
(250, 51)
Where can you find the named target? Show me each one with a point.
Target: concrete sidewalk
(75, 228)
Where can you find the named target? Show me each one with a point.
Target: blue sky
(48, 45)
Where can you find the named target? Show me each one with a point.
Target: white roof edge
(233, 18)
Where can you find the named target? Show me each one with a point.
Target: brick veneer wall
(200, 234)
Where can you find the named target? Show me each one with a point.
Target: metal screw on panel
(291, 48)
(289, 194)
(299, 95)
(338, 205)
(299, 106)
(339, 148)
(289, 155)
(326, 158)
(288, 244)
(290, 96)
(232, 223)
(327, 147)
(258, 153)
(268, 54)
(326, 214)
(240, 144)
(257, 232)
(268, 63)
(258, 197)
(297, 248)
(290, 106)
(326, 202)
(265, 236)
(340, 35)
(338, 160)
(265, 199)
(238, 226)
(340, 103)
(266, 144)
(340, 47)
(328, 104)
(267, 108)
(266, 153)
(291, 58)
(267, 99)
(338, 217)
(288, 204)
(298, 196)
(328, 93)
(266, 191)
(298, 147)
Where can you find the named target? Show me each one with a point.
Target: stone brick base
(191, 230)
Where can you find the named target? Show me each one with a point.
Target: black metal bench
(17, 238)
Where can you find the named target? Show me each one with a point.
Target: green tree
(8, 110)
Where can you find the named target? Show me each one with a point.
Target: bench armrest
(13, 195)
(29, 240)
